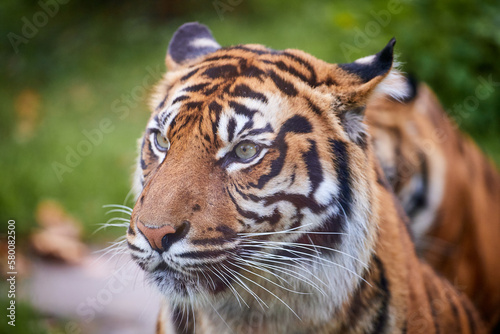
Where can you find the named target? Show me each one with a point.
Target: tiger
(262, 208)
(449, 189)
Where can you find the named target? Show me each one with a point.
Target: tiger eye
(246, 150)
(162, 143)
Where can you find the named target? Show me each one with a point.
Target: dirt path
(103, 295)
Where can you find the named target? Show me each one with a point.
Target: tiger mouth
(191, 280)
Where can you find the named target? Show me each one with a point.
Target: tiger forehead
(218, 72)
(256, 61)
(201, 91)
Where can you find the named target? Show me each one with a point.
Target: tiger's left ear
(376, 74)
(360, 80)
(191, 41)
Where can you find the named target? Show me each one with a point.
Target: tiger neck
(366, 308)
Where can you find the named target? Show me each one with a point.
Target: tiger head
(255, 176)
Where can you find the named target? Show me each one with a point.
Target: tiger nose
(161, 238)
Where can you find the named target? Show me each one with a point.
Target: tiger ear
(362, 79)
(376, 74)
(191, 41)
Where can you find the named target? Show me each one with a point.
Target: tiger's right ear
(191, 41)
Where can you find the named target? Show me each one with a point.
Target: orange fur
(305, 236)
(417, 137)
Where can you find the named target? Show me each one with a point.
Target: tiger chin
(261, 207)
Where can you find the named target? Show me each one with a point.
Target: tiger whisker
(270, 281)
(215, 310)
(192, 309)
(128, 213)
(125, 220)
(309, 258)
(274, 295)
(290, 272)
(118, 206)
(278, 259)
(228, 284)
(207, 277)
(236, 257)
(307, 246)
(283, 231)
(245, 287)
(119, 250)
(249, 235)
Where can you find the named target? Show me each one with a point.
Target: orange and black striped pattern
(449, 189)
(261, 207)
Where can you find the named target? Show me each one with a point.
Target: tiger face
(254, 176)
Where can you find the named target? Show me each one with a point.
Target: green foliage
(67, 78)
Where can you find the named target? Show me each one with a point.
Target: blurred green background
(86, 69)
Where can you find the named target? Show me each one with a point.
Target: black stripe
(231, 126)
(196, 88)
(295, 124)
(343, 170)
(194, 105)
(418, 199)
(381, 322)
(226, 231)
(144, 165)
(290, 70)
(431, 294)
(267, 129)
(210, 241)
(313, 79)
(256, 217)
(151, 157)
(253, 72)
(162, 103)
(297, 200)
(219, 58)
(243, 90)
(215, 109)
(314, 107)
(334, 225)
(180, 99)
(211, 90)
(313, 165)
(134, 247)
(223, 71)
(240, 109)
(202, 254)
(255, 51)
(190, 74)
(248, 125)
(286, 87)
(130, 230)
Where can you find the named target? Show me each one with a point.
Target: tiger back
(261, 207)
(449, 189)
